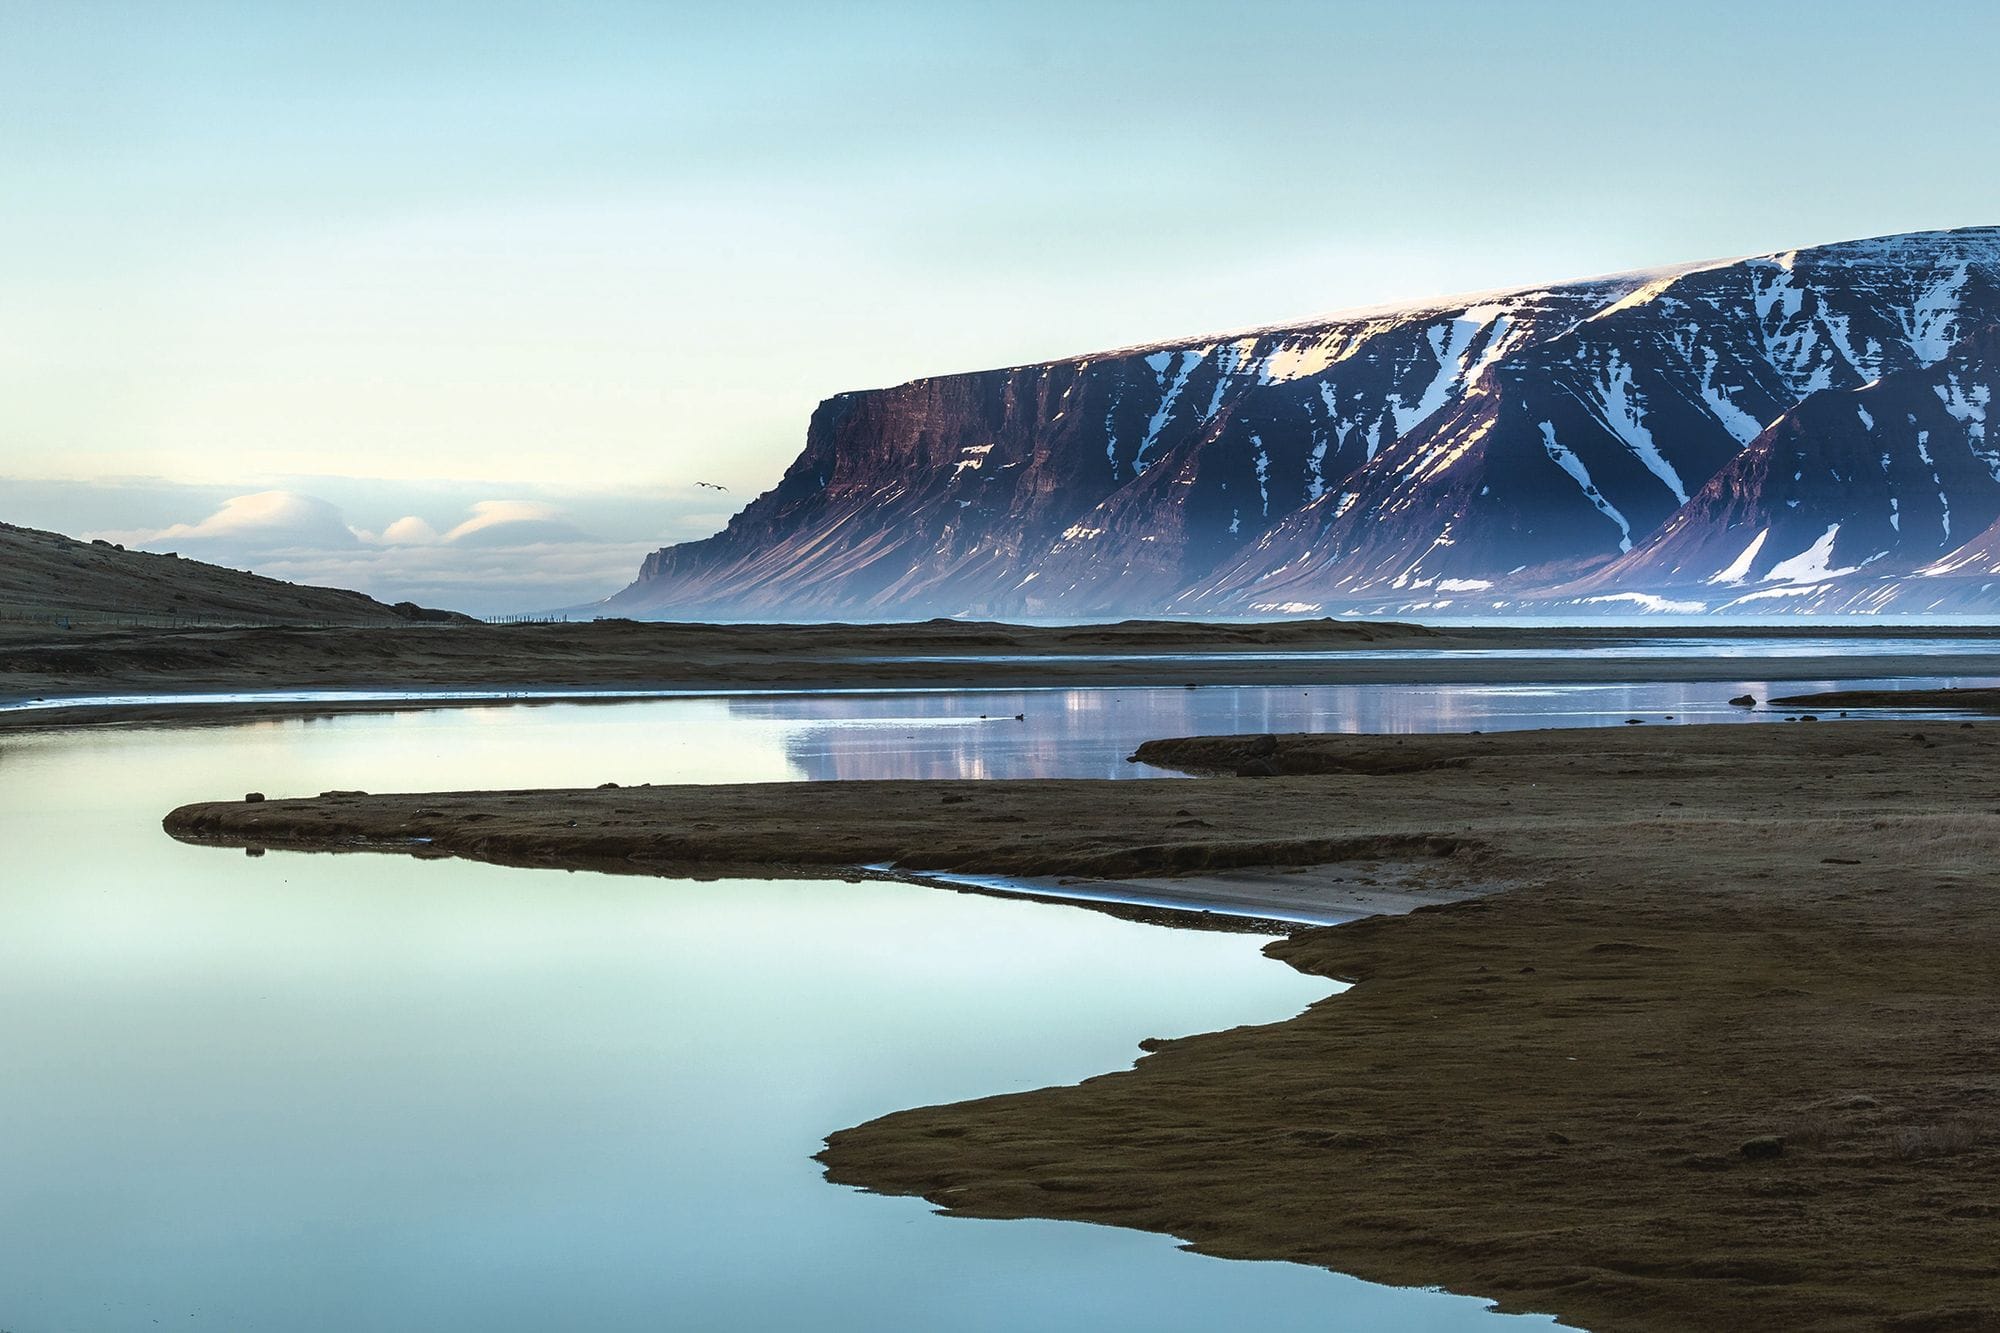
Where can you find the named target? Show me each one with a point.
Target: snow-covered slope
(1841, 500)
(1624, 438)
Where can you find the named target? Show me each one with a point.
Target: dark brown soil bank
(1728, 1058)
(1732, 1061)
(1080, 827)
(1971, 699)
(39, 661)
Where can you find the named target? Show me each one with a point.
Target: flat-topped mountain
(48, 574)
(1727, 435)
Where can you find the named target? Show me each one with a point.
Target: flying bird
(711, 486)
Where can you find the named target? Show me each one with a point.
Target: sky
(460, 302)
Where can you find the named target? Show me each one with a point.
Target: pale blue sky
(587, 254)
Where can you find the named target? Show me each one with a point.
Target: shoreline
(1281, 900)
(1720, 1054)
(1977, 700)
(200, 707)
(83, 673)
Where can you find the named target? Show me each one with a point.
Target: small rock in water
(1635, 721)
(952, 798)
(252, 797)
(1808, 717)
(1762, 1147)
(1745, 701)
(1020, 717)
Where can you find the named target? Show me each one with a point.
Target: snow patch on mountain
(1734, 419)
(1929, 321)
(972, 458)
(1451, 343)
(1647, 601)
(1739, 568)
(1966, 403)
(1170, 396)
(1299, 360)
(1810, 565)
(1623, 413)
(1567, 460)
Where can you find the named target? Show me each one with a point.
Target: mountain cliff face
(1794, 431)
(1843, 500)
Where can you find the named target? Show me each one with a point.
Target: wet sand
(1723, 1053)
(42, 663)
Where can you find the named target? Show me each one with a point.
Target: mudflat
(40, 662)
(1724, 1053)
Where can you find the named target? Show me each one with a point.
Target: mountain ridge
(1493, 452)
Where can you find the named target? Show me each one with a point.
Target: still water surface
(370, 1093)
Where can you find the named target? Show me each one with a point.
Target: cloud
(439, 542)
(409, 531)
(502, 555)
(294, 521)
(272, 520)
(514, 523)
(494, 523)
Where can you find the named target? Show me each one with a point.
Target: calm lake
(370, 1093)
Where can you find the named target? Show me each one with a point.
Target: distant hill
(48, 574)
